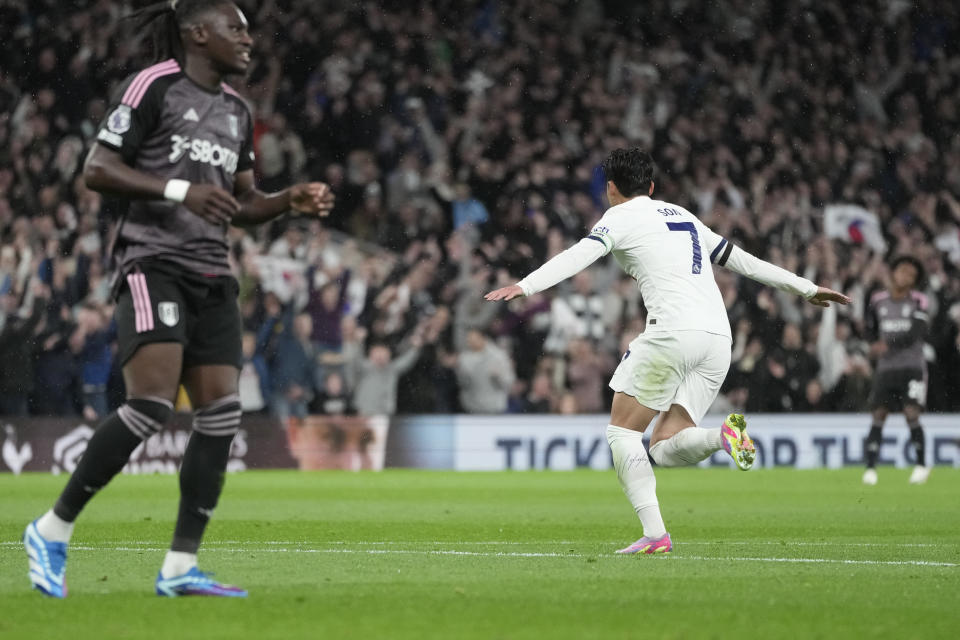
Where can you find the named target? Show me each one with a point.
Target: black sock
(201, 480)
(871, 446)
(916, 436)
(106, 454)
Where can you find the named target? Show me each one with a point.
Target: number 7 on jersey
(695, 238)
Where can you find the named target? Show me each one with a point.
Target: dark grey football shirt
(166, 125)
(902, 324)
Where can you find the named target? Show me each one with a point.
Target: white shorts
(661, 369)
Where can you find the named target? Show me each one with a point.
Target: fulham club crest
(169, 313)
(234, 125)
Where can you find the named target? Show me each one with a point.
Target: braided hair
(164, 20)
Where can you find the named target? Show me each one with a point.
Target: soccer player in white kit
(676, 366)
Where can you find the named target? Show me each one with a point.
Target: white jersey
(670, 253)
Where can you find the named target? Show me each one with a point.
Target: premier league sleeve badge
(119, 119)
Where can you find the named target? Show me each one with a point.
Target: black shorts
(899, 387)
(158, 302)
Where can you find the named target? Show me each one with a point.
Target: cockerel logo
(68, 449)
(15, 457)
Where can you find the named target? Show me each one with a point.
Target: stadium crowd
(463, 141)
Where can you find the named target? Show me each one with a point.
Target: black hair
(164, 20)
(911, 260)
(631, 170)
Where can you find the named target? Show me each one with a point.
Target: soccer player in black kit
(177, 144)
(897, 323)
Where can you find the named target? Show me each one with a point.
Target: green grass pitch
(410, 554)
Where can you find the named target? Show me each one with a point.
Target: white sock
(177, 563)
(686, 447)
(54, 528)
(636, 477)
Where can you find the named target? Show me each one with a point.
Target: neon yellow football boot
(736, 441)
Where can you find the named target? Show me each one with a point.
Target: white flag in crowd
(853, 224)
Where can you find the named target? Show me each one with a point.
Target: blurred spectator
(281, 156)
(800, 366)
(254, 385)
(587, 375)
(485, 372)
(567, 404)
(467, 210)
(377, 376)
(90, 343)
(16, 350)
(55, 365)
(540, 398)
(333, 399)
(291, 364)
(769, 387)
(579, 314)
(431, 385)
(812, 399)
(327, 304)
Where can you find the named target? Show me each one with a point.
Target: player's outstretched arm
(257, 207)
(105, 171)
(824, 296)
(504, 293)
(747, 264)
(558, 268)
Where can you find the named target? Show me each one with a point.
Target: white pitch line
(914, 563)
(895, 545)
(520, 554)
(294, 543)
(569, 542)
(517, 554)
(287, 543)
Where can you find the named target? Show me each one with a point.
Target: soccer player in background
(897, 327)
(178, 145)
(676, 366)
